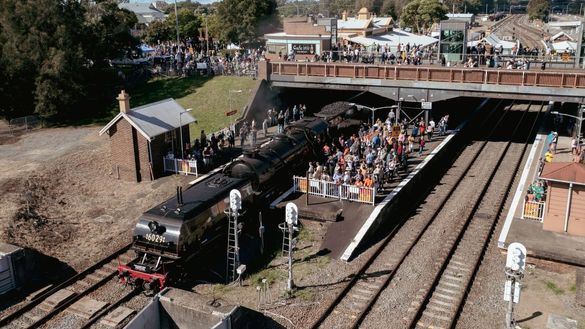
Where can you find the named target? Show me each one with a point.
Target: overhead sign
(303, 49)
(426, 105)
(230, 113)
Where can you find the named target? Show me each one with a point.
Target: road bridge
(428, 83)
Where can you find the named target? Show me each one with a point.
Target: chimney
(344, 16)
(124, 100)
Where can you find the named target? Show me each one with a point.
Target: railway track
(518, 25)
(45, 310)
(477, 166)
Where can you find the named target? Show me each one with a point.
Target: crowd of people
(188, 59)
(373, 156)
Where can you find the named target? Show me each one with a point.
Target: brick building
(140, 137)
(302, 35)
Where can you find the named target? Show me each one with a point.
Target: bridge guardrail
(556, 79)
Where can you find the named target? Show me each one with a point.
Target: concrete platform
(538, 242)
(117, 316)
(57, 299)
(87, 307)
(318, 208)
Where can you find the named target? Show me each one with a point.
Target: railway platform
(350, 222)
(540, 243)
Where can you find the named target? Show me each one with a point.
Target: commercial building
(302, 36)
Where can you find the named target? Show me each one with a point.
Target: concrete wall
(263, 99)
(148, 318)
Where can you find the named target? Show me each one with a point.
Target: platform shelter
(565, 202)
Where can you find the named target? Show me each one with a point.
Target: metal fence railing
(533, 210)
(180, 166)
(26, 123)
(329, 189)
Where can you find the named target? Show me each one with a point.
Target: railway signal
(292, 219)
(515, 266)
(233, 248)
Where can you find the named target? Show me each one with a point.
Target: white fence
(329, 189)
(533, 210)
(187, 167)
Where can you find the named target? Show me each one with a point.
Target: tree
(421, 14)
(337, 7)
(245, 20)
(538, 9)
(53, 55)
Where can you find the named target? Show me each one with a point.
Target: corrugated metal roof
(394, 38)
(570, 172)
(353, 23)
(154, 119)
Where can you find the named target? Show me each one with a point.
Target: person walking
(265, 126)
(421, 145)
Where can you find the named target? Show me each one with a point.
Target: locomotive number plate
(154, 238)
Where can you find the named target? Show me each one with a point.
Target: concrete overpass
(429, 83)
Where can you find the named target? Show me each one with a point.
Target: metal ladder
(285, 240)
(233, 255)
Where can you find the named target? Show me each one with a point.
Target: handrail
(329, 189)
(525, 78)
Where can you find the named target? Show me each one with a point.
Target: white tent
(233, 46)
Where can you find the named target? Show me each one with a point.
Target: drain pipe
(568, 211)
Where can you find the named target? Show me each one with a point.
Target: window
(275, 48)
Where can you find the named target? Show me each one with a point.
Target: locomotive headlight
(153, 226)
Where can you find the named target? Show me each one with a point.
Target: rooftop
(567, 172)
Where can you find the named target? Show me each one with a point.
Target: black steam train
(179, 228)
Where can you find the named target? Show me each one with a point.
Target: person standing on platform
(421, 145)
(265, 126)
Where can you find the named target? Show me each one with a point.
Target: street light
(578, 118)
(181, 131)
(177, 24)
(373, 109)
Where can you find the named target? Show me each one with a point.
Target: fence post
(339, 192)
(374, 196)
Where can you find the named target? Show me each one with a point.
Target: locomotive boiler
(179, 228)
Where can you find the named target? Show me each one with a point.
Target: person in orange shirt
(368, 182)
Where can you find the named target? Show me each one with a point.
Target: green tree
(337, 7)
(53, 55)
(421, 14)
(158, 31)
(245, 20)
(538, 9)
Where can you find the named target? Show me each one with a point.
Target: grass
(553, 287)
(209, 98)
(271, 275)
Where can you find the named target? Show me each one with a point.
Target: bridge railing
(557, 79)
(180, 166)
(329, 189)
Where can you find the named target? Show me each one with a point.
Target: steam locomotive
(179, 228)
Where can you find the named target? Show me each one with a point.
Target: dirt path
(60, 196)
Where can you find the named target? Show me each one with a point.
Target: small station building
(565, 200)
(141, 137)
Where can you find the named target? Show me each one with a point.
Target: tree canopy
(51, 53)
(538, 9)
(245, 20)
(421, 14)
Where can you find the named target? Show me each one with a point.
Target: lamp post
(373, 109)
(579, 121)
(181, 131)
(177, 24)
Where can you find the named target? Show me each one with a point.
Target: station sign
(303, 49)
(426, 105)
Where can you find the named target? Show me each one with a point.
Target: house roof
(145, 12)
(564, 46)
(353, 23)
(565, 24)
(566, 172)
(560, 34)
(383, 21)
(154, 119)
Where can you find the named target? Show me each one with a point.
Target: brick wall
(122, 151)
